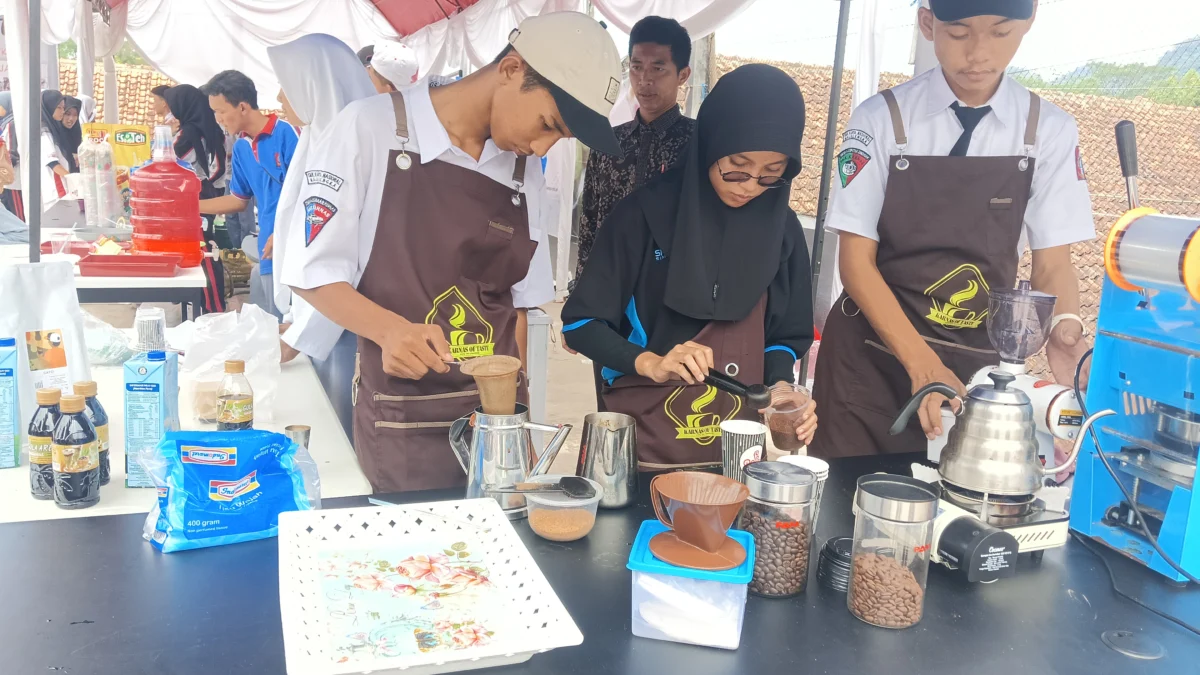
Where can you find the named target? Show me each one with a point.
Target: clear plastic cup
(789, 405)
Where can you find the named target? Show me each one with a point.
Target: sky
(1065, 34)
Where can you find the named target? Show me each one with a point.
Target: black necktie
(969, 117)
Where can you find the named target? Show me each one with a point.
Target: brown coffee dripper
(496, 379)
(699, 508)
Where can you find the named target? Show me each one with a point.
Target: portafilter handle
(915, 402)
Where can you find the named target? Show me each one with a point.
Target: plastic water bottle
(166, 204)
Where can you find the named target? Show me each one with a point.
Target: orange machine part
(1111, 245)
(1189, 266)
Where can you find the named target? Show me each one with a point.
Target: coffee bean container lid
(780, 483)
(897, 498)
(814, 464)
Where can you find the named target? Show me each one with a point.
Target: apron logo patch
(850, 163)
(1079, 172)
(317, 213)
(858, 136)
(470, 334)
(959, 299)
(325, 178)
(700, 420)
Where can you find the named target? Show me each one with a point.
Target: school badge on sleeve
(850, 163)
(317, 213)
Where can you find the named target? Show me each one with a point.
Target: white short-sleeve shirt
(346, 171)
(1060, 207)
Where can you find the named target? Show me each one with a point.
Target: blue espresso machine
(1146, 367)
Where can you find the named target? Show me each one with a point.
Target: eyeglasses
(742, 177)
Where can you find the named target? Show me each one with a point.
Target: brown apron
(449, 245)
(948, 233)
(678, 426)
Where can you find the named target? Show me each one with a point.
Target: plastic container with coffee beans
(893, 532)
(779, 513)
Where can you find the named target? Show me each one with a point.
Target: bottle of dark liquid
(41, 433)
(76, 457)
(235, 399)
(99, 418)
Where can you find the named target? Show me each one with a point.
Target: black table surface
(89, 597)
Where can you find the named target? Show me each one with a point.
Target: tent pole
(33, 152)
(835, 100)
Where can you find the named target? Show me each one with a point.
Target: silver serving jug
(608, 455)
(497, 450)
(992, 446)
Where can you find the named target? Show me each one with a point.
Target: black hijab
(75, 133)
(723, 259)
(58, 131)
(198, 128)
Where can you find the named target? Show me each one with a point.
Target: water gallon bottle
(166, 204)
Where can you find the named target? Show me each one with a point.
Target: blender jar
(779, 513)
(893, 533)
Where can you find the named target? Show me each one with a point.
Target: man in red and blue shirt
(261, 156)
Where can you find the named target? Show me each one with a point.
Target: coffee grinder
(990, 470)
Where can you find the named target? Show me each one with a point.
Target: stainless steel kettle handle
(915, 402)
(1083, 432)
(458, 443)
(551, 450)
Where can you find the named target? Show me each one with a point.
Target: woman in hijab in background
(320, 75)
(10, 161)
(70, 121)
(704, 268)
(58, 160)
(200, 140)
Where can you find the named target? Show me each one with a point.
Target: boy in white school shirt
(943, 180)
(423, 236)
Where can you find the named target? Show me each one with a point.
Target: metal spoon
(572, 486)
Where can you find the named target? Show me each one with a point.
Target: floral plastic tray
(420, 588)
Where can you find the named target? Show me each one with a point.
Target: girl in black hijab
(74, 131)
(707, 267)
(53, 108)
(198, 133)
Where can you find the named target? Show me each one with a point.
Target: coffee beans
(884, 592)
(781, 550)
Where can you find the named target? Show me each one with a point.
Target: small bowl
(557, 517)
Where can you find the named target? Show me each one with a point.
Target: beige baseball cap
(580, 60)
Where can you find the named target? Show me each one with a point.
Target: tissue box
(678, 604)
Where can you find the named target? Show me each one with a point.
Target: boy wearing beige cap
(423, 234)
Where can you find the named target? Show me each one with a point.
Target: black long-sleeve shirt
(616, 312)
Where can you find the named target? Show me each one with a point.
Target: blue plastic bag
(225, 487)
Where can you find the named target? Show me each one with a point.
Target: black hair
(666, 32)
(160, 90)
(234, 86)
(533, 79)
